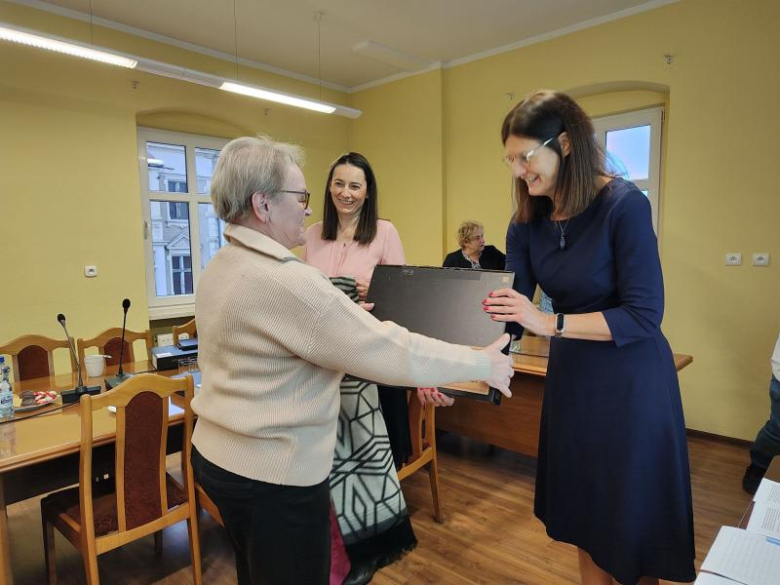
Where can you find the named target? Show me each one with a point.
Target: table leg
(6, 577)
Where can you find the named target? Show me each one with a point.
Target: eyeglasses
(525, 157)
(305, 194)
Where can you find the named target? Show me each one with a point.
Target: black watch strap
(560, 324)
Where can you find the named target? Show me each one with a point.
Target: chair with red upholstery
(141, 498)
(32, 356)
(109, 342)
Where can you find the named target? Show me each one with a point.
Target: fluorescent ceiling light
(281, 98)
(68, 48)
(43, 41)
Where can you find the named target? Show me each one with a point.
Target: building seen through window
(176, 179)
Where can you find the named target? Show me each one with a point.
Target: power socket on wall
(164, 339)
(761, 259)
(733, 258)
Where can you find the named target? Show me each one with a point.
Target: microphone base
(71, 396)
(115, 381)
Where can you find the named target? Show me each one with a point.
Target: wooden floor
(489, 535)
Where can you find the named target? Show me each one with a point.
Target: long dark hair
(369, 213)
(547, 114)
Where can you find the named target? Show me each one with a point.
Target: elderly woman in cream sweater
(276, 338)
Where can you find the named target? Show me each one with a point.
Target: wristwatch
(560, 324)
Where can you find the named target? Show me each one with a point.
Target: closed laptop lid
(445, 303)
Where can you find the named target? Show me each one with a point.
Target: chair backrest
(32, 356)
(189, 328)
(109, 342)
(422, 426)
(142, 505)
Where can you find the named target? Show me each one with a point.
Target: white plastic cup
(95, 364)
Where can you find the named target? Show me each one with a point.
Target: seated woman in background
(473, 252)
(276, 338)
(347, 245)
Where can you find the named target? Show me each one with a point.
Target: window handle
(146, 230)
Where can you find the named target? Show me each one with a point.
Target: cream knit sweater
(275, 338)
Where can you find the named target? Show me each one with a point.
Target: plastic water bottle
(6, 392)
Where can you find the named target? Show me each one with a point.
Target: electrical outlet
(761, 259)
(164, 339)
(90, 271)
(733, 258)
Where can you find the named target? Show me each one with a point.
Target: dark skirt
(613, 476)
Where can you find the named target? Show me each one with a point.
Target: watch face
(559, 323)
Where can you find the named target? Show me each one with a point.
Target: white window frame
(654, 118)
(174, 305)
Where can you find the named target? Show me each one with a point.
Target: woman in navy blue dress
(612, 476)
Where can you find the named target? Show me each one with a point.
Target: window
(633, 145)
(181, 231)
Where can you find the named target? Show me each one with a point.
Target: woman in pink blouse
(347, 245)
(351, 239)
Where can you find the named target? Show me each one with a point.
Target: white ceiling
(282, 34)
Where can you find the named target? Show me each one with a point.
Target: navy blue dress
(612, 475)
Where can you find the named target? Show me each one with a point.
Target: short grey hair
(250, 165)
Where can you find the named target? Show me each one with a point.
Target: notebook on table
(445, 303)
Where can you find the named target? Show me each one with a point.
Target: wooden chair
(143, 499)
(32, 356)
(108, 343)
(422, 425)
(206, 503)
(189, 328)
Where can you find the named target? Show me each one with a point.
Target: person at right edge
(767, 444)
(612, 475)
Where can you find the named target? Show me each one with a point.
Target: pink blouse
(352, 259)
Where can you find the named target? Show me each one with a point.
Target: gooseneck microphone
(125, 305)
(61, 319)
(120, 377)
(76, 393)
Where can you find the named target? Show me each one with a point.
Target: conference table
(39, 450)
(513, 425)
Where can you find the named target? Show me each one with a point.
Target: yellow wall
(718, 192)
(68, 162)
(400, 132)
(69, 184)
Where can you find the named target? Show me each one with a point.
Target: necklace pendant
(562, 242)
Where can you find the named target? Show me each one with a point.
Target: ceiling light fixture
(275, 96)
(40, 40)
(34, 39)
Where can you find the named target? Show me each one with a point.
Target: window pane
(171, 248)
(211, 233)
(205, 161)
(629, 150)
(646, 193)
(167, 166)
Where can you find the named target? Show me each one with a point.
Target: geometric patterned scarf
(367, 497)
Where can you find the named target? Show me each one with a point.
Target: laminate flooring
(489, 536)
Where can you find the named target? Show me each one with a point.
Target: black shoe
(753, 476)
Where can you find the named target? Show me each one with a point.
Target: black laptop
(445, 303)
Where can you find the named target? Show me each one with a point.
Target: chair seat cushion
(66, 502)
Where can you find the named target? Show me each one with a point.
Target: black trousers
(280, 534)
(395, 411)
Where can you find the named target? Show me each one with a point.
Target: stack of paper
(752, 556)
(765, 518)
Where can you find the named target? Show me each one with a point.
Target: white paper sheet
(765, 518)
(748, 558)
